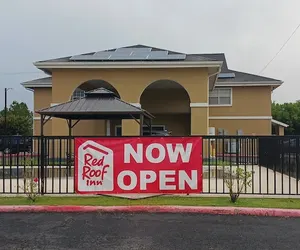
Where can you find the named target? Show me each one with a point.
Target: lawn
(160, 200)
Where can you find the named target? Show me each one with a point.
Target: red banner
(165, 165)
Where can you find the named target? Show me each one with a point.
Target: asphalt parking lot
(146, 231)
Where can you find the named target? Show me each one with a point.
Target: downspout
(216, 73)
(213, 74)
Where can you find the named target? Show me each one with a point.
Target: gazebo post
(141, 124)
(70, 127)
(42, 154)
(69, 121)
(150, 122)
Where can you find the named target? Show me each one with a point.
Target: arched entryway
(169, 102)
(94, 127)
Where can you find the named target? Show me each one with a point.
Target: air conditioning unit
(221, 131)
(212, 132)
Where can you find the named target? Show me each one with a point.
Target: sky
(250, 33)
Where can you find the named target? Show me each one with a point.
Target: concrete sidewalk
(265, 181)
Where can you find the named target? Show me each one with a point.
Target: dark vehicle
(290, 143)
(15, 144)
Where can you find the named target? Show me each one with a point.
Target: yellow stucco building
(189, 94)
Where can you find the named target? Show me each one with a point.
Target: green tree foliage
(288, 113)
(19, 119)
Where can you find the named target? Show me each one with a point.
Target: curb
(275, 212)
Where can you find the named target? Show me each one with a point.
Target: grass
(161, 200)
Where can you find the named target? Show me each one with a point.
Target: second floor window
(220, 96)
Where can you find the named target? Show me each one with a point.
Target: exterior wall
(65, 81)
(246, 101)
(47, 128)
(249, 127)
(42, 99)
(178, 124)
(166, 101)
(130, 84)
(199, 125)
(281, 130)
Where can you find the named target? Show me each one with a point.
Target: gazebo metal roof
(97, 104)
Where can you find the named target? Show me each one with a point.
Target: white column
(107, 127)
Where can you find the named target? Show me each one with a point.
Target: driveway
(146, 231)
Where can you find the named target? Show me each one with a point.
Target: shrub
(30, 182)
(237, 181)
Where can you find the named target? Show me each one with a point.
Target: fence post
(42, 155)
(69, 147)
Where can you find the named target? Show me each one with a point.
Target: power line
(280, 49)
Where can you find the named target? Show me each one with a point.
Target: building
(189, 94)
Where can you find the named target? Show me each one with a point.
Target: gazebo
(98, 104)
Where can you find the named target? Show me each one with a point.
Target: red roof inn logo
(138, 165)
(94, 167)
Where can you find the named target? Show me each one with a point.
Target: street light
(5, 110)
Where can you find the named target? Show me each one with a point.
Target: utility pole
(5, 110)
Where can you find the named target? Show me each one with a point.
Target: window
(220, 97)
(77, 94)
(155, 128)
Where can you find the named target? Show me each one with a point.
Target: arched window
(78, 94)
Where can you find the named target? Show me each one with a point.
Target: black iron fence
(273, 162)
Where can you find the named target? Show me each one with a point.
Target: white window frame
(221, 105)
(144, 126)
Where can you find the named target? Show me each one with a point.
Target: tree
(19, 120)
(288, 113)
